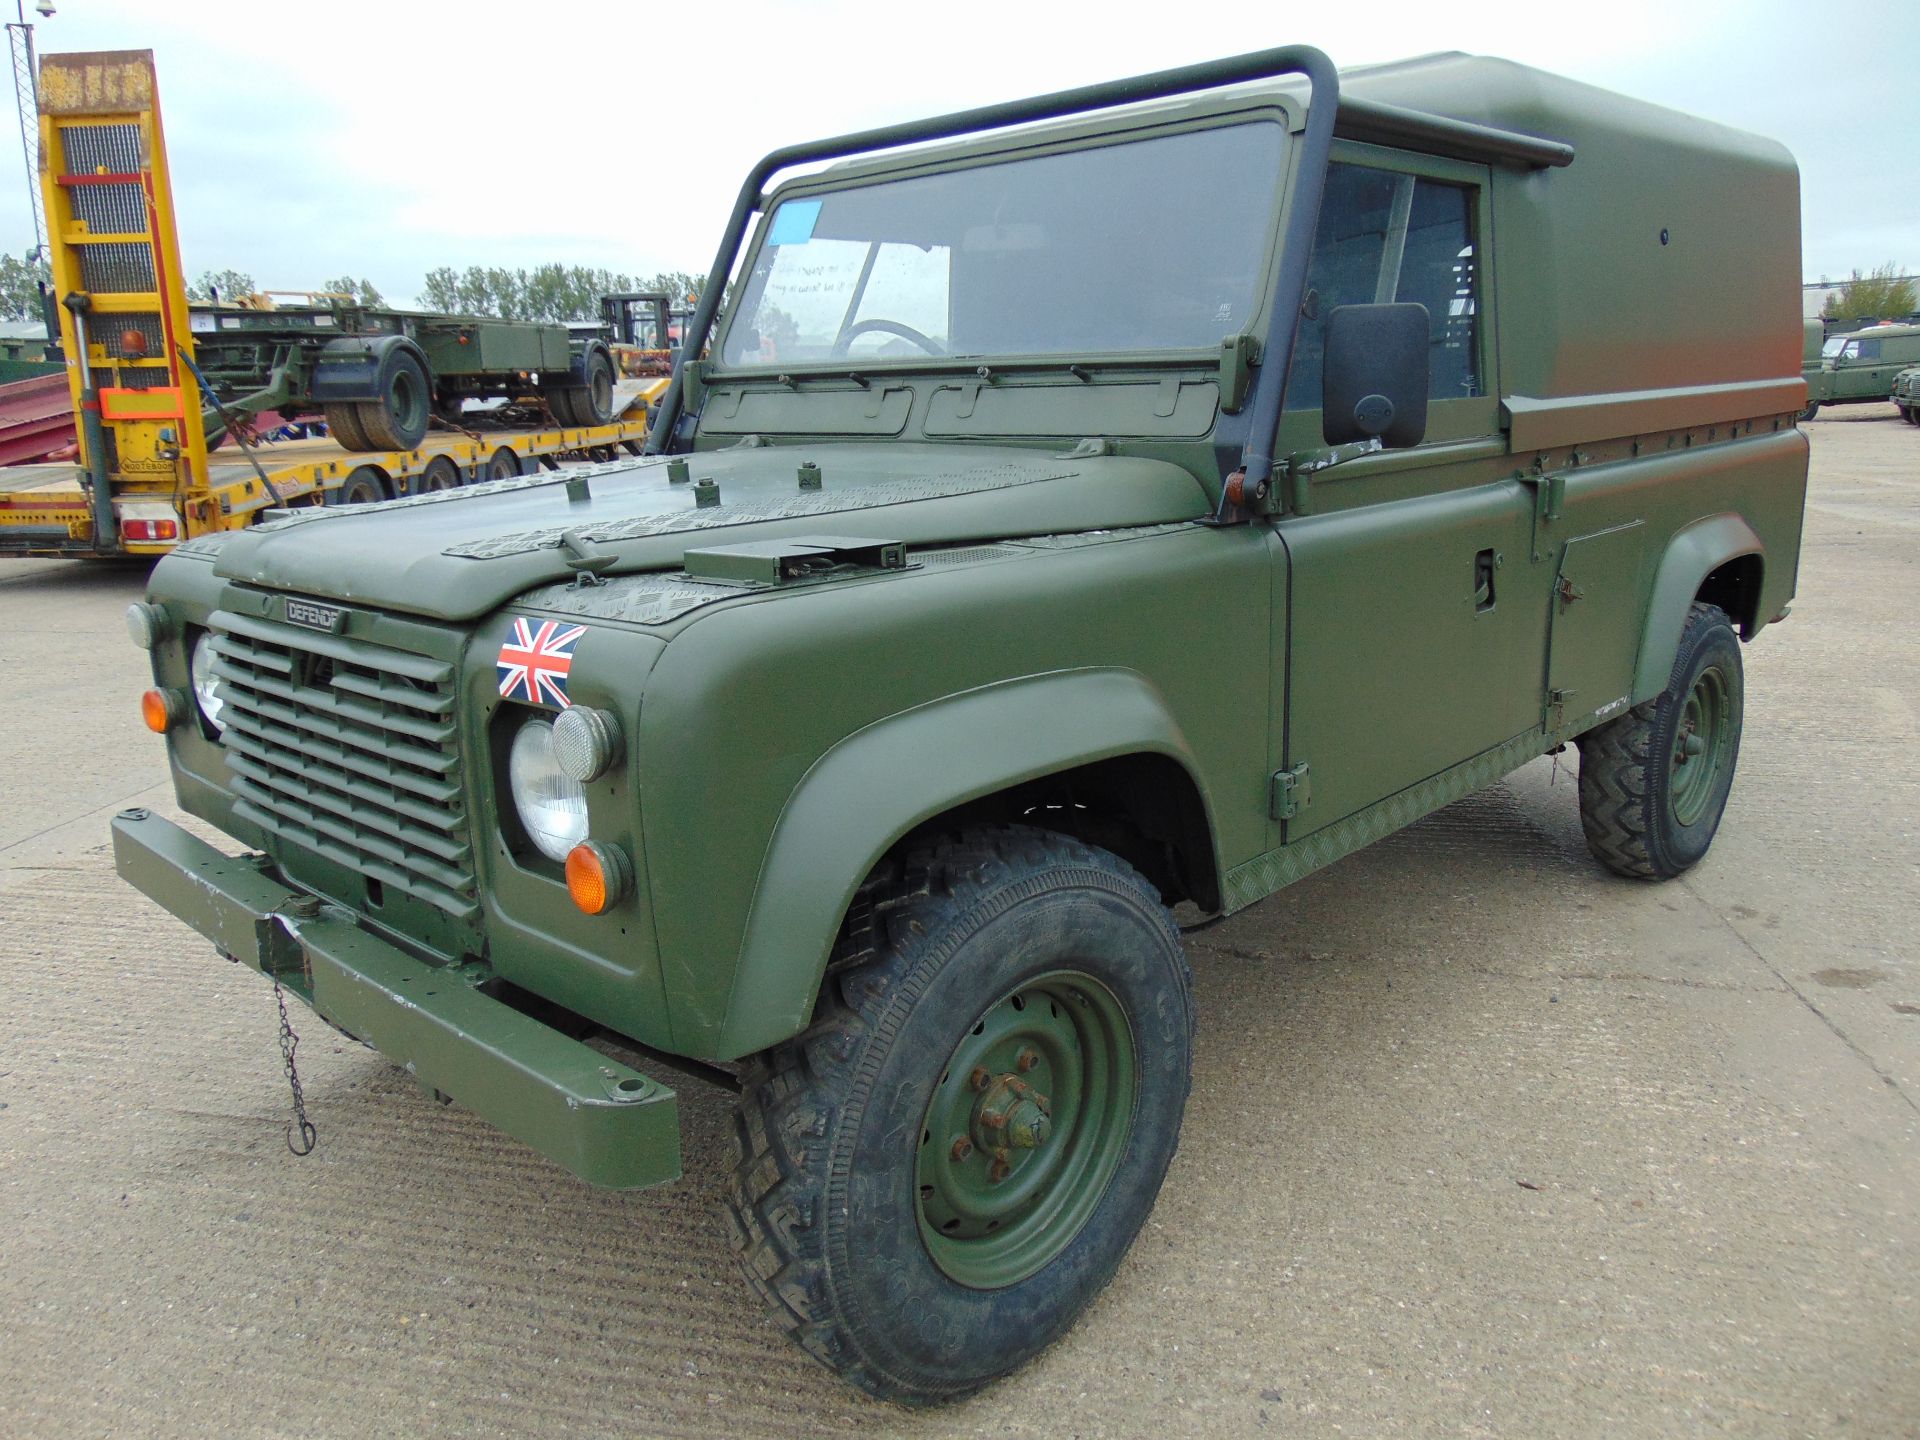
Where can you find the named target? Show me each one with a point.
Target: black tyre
(593, 402)
(503, 464)
(343, 424)
(560, 405)
(364, 485)
(397, 420)
(934, 1180)
(1807, 414)
(441, 474)
(1654, 783)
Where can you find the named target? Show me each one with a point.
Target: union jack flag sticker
(534, 661)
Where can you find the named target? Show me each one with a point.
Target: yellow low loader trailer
(143, 480)
(47, 509)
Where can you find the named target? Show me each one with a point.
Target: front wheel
(935, 1179)
(1654, 783)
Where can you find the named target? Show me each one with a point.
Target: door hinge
(1292, 792)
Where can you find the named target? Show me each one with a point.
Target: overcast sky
(384, 139)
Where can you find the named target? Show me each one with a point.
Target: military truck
(1006, 589)
(1858, 368)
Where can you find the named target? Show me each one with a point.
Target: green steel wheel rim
(1701, 747)
(1025, 1129)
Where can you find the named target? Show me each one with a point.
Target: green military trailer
(1091, 515)
(1857, 368)
(379, 374)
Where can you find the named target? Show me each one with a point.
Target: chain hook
(299, 1126)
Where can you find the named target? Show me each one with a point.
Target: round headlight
(552, 805)
(207, 686)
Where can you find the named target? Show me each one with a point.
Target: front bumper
(605, 1122)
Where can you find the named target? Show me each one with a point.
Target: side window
(1867, 349)
(1391, 237)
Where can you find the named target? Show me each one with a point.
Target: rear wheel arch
(1735, 588)
(1714, 557)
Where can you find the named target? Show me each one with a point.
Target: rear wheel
(364, 485)
(397, 420)
(1813, 409)
(560, 405)
(593, 402)
(935, 1179)
(343, 424)
(1654, 783)
(503, 464)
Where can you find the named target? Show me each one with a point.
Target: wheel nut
(962, 1147)
(980, 1079)
(999, 1170)
(1029, 1057)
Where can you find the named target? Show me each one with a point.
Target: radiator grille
(348, 750)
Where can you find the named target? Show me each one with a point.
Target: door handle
(1484, 564)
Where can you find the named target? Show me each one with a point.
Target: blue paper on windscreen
(793, 222)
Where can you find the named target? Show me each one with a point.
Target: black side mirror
(1375, 378)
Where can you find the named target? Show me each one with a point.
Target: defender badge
(534, 661)
(330, 618)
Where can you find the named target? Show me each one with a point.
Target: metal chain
(290, 1042)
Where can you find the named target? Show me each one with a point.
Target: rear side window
(1402, 238)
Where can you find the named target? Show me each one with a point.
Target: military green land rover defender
(1084, 509)
(1906, 394)
(1859, 368)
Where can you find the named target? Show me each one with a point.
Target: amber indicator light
(593, 889)
(155, 710)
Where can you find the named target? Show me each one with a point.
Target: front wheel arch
(995, 748)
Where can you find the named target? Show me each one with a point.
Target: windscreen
(1156, 244)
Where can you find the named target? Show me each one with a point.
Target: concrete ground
(1483, 1141)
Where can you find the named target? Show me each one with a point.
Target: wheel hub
(1701, 746)
(1010, 1115)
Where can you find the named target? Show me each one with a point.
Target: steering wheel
(883, 327)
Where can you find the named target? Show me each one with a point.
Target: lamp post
(26, 94)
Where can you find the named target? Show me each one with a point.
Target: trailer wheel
(364, 485)
(593, 402)
(343, 424)
(441, 474)
(503, 464)
(398, 419)
(560, 405)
